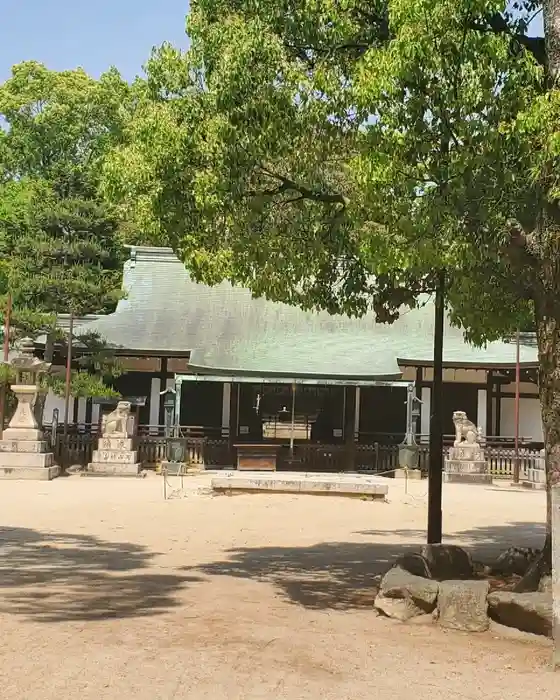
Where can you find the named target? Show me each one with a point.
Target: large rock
(529, 612)
(515, 560)
(402, 609)
(447, 561)
(415, 564)
(462, 605)
(399, 583)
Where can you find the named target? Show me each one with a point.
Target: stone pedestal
(114, 457)
(23, 452)
(466, 464)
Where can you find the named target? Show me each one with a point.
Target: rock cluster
(442, 581)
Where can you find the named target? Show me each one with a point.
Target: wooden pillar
(489, 403)
(498, 422)
(75, 411)
(349, 422)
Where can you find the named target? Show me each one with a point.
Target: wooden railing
(77, 447)
(501, 460)
(394, 439)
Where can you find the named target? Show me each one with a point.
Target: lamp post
(408, 450)
(435, 482)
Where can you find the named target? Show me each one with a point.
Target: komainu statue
(466, 431)
(115, 424)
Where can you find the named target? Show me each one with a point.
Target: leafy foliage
(336, 155)
(60, 243)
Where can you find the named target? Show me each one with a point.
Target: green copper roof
(227, 331)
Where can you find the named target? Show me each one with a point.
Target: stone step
(37, 446)
(12, 460)
(30, 473)
(114, 468)
(116, 456)
(103, 475)
(303, 484)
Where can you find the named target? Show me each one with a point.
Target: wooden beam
(489, 402)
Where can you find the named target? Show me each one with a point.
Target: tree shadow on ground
(341, 575)
(484, 543)
(54, 577)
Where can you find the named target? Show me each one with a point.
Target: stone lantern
(23, 452)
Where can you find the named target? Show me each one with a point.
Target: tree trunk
(547, 317)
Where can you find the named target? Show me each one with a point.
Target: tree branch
(497, 24)
(304, 192)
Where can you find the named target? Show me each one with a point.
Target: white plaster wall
(81, 410)
(52, 401)
(95, 411)
(530, 422)
(425, 411)
(482, 422)
(524, 388)
(465, 376)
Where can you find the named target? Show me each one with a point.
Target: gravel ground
(109, 592)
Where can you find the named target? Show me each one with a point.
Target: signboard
(133, 400)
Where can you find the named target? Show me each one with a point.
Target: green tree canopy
(336, 155)
(60, 243)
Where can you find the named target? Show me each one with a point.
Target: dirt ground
(109, 592)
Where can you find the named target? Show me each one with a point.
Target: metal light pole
(435, 471)
(516, 465)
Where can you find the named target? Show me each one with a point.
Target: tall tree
(339, 155)
(60, 243)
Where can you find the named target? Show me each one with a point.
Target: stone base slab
(30, 473)
(25, 434)
(23, 446)
(318, 485)
(408, 474)
(115, 456)
(114, 468)
(466, 478)
(11, 460)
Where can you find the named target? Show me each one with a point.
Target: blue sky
(64, 34)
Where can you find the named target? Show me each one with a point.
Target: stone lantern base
(23, 455)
